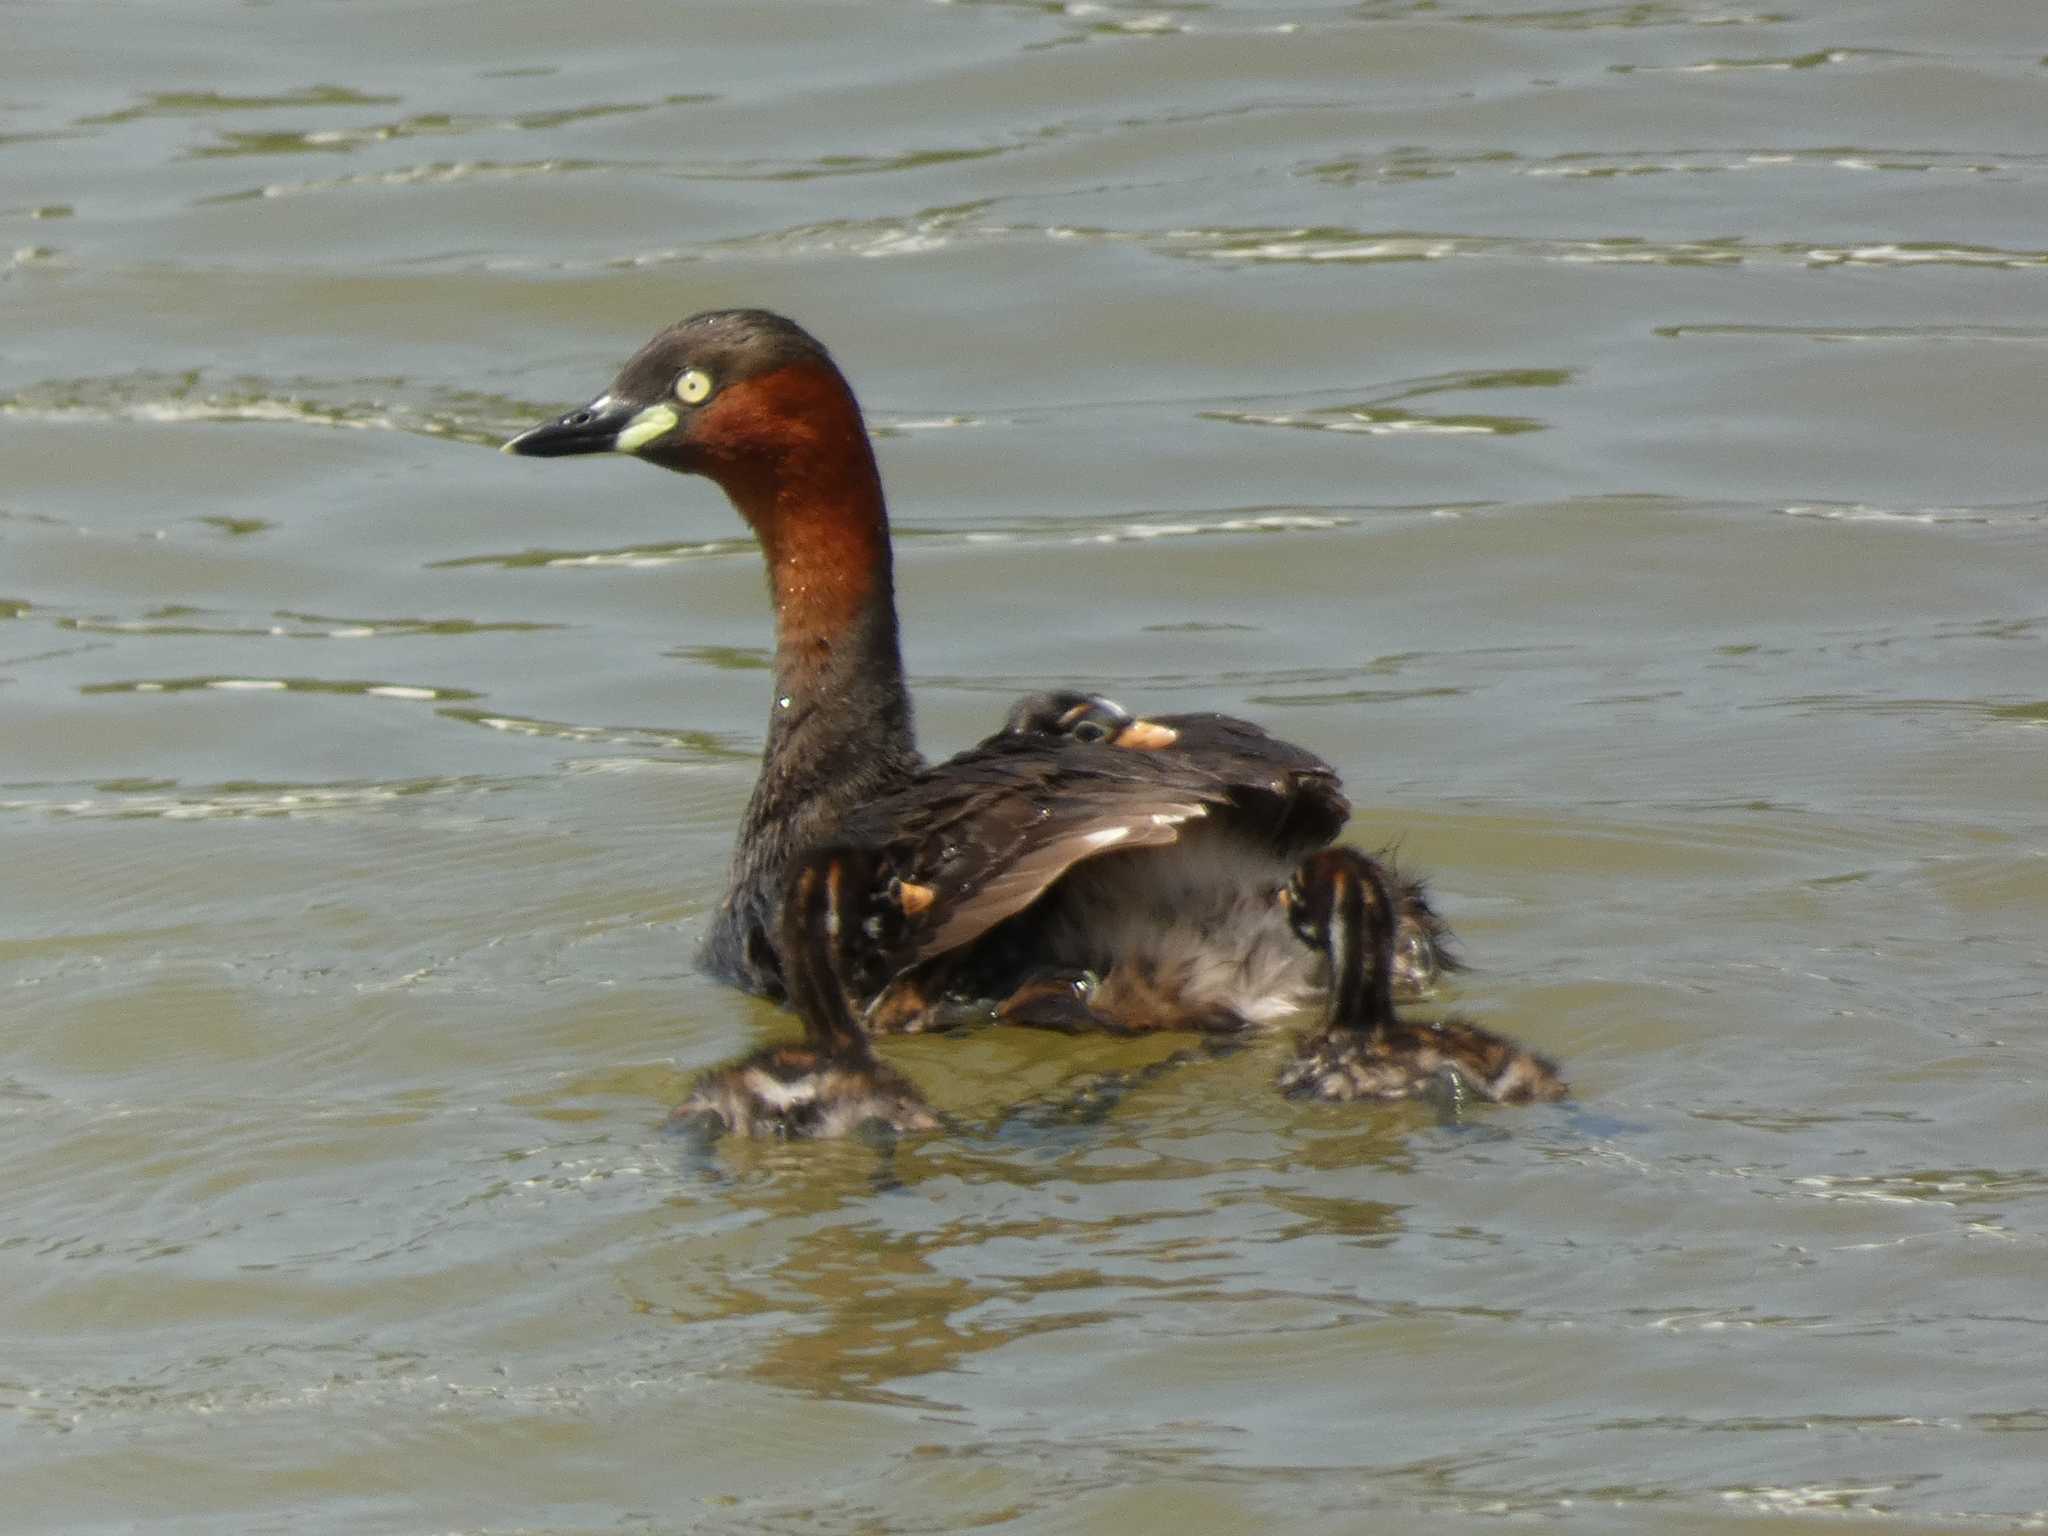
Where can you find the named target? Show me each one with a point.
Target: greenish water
(1611, 433)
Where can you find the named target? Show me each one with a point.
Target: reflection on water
(1655, 548)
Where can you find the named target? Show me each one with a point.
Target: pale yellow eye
(694, 387)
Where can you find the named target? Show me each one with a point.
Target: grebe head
(1087, 717)
(743, 396)
(751, 401)
(673, 403)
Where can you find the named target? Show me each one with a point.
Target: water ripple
(710, 745)
(1414, 163)
(410, 692)
(432, 173)
(2019, 514)
(168, 802)
(361, 405)
(1384, 417)
(1339, 245)
(630, 557)
(1932, 332)
(422, 125)
(177, 104)
(179, 619)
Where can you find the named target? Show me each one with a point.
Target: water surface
(1610, 432)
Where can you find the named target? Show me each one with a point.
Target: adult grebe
(1024, 862)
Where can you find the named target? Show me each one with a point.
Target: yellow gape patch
(645, 428)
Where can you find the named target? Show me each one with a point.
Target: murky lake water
(1612, 433)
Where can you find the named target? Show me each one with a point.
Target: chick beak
(1147, 736)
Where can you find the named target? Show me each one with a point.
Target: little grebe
(1027, 861)
(1342, 904)
(832, 1084)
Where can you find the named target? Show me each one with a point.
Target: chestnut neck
(831, 578)
(791, 451)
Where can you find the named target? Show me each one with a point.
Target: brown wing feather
(1013, 887)
(989, 831)
(1285, 789)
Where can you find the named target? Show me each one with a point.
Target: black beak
(593, 429)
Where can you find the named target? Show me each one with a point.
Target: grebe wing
(984, 834)
(1284, 789)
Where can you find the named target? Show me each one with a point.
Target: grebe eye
(694, 386)
(1091, 730)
